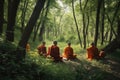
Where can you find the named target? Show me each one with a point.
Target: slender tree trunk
(38, 25)
(84, 22)
(115, 43)
(102, 27)
(12, 11)
(87, 26)
(24, 9)
(111, 27)
(1, 16)
(42, 28)
(97, 21)
(112, 31)
(76, 23)
(29, 27)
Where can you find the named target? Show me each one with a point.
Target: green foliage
(6, 47)
(35, 67)
(61, 39)
(11, 70)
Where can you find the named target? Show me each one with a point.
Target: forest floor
(108, 65)
(105, 69)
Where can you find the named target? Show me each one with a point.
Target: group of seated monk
(68, 54)
(54, 52)
(94, 53)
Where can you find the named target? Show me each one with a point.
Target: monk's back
(68, 51)
(54, 51)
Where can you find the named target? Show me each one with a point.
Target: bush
(23, 70)
(6, 47)
(10, 69)
(61, 38)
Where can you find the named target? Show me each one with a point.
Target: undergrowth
(35, 67)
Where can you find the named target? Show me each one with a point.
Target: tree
(42, 28)
(102, 26)
(97, 21)
(115, 43)
(1, 15)
(29, 27)
(76, 23)
(23, 15)
(85, 26)
(112, 31)
(12, 11)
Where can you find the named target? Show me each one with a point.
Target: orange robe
(42, 50)
(54, 52)
(49, 49)
(28, 47)
(68, 53)
(92, 53)
(102, 54)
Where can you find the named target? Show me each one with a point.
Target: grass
(40, 68)
(81, 69)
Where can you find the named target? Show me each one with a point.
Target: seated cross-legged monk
(55, 53)
(68, 52)
(42, 49)
(92, 52)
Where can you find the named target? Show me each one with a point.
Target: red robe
(92, 53)
(54, 52)
(68, 53)
(42, 50)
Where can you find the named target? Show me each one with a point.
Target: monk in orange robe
(55, 53)
(92, 52)
(102, 54)
(68, 53)
(28, 47)
(42, 49)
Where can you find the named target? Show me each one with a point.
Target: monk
(92, 52)
(42, 49)
(102, 54)
(68, 53)
(55, 53)
(28, 47)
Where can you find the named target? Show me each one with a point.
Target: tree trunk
(87, 26)
(115, 43)
(12, 11)
(112, 31)
(76, 24)
(42, 28)
(1, 16)
(84, 22)
(102, 27)
(38, 25)
(97, 21)
(24, 9)
(29, 27)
